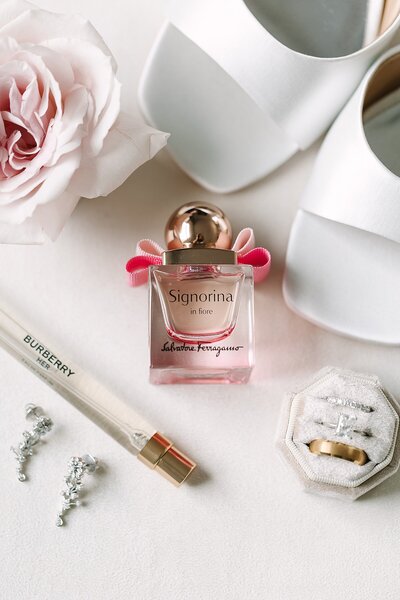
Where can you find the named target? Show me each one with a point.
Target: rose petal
(51, 217)
(31, 176)
(128, 145)
(68, 135)
(36, 26)
(15, 98)
(11, 9)
(94, 70)
(57, 64)
(18, 71)
(38, 67)
(55, 181)
(47, 222)
(5, 85)
(30, 100)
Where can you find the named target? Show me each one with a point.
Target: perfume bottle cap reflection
(198, 233)
(198, 225)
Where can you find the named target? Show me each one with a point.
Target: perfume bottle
(201, 303)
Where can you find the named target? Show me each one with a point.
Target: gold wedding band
(339, 450)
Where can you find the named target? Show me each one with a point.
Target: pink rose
(62, 135)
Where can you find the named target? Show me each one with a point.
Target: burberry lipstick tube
(140, 437)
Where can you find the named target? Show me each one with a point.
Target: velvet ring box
(352, 412)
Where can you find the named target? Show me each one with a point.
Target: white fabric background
(246, 530)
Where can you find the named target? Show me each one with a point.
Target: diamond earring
(77, 468)
(42, 425)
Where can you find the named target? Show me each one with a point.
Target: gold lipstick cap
(160, 454)
(198, 233)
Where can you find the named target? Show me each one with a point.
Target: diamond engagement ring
(345, 426)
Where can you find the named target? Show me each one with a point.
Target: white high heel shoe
(243, 85)
(343, 258)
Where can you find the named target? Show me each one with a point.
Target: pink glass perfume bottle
(201, 303)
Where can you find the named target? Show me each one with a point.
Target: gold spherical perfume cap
(198, 225)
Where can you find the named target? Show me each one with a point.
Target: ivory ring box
(353, 415)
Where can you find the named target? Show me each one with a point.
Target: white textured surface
(246, 531)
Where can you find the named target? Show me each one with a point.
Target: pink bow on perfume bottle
(150, 253)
